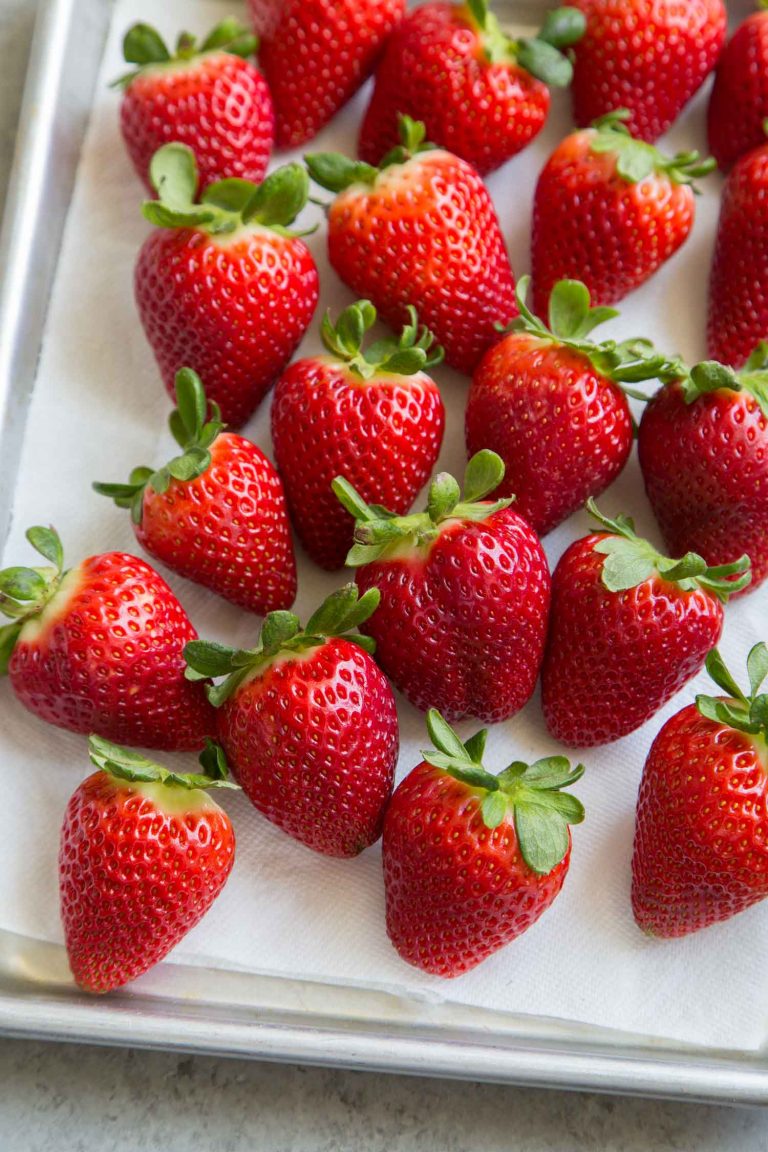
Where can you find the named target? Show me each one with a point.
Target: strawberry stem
(127, 764)
(710, 376)
(636, 160)
(413, 352)
(145, 47)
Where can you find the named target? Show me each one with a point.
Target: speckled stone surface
(55, 1098)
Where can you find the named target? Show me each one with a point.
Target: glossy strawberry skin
(135, 875)
(563, 431)
(313, 742)
(227, 529)
(316, 54)
(456, 891)
(649, 56)
(435, 70)
(383, 435)
(591, 224)
(462, 627)
(614, 658)
(106, 657)
(232, 308)
(738, 290)
(705, 467)
(218, 104)
(739, 101)
(701, 837)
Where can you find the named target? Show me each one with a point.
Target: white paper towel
(99, 409)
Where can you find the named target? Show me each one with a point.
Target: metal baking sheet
(193, 1009)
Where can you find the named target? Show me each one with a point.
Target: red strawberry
(464, 595)
(216, 514)
(374, 417)
(649, 56)
(207, 96)
(701, 837)
(472, 860)
(738, 287)
(308, 723)
(421, 230)
(481, 95)
(222, 285)
(98, 648)
(144, 853)
(738, 105)
(629, 628)
(316, 54)
(549, 401)
(703, 447)
(610, 210)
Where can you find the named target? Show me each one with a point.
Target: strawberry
(464, 595)
(610, 210)
(649, 56)
(98, 648)
(144, 853)
(481, 94)
(316, 54)
(738, 105)
(738, 289)
(208, 96)
(701, 835)
(308, 723)
(420, 230)
(703, 447)
(374, 417)
(550, 402)
(222, 285)
(630, 621)
(215, 514)
(472, 860)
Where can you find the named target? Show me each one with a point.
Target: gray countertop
(81, 1099)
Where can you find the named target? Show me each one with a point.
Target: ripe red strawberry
(738, 105)
(216, 514)
(316, 54)
(550, 402)
(308, 723)
(208, 96)
(610, 210)
(374, 417)
(481, 94)
(703, 447)
(222, 285)
(464, 595)
(738, 288)
(630, 621)
(144, 853)
(472, 860)
(98, 648)
(421, 230)
(649, 56)
(701, 837)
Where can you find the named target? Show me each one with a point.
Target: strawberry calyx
(335, 172)
(412, 352)
(532, 793)
(226, 205)
(379, 532)
(24, 592)
(710, 376)
(127, 764)
(636, 160)
(144, 46)
(630, 560)
(744, 713)
(281, 633)
(193, 431)
(545, 55)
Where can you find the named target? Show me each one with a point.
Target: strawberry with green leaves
(472, 860)
(308, 723)
(372, 415)
(629, 627)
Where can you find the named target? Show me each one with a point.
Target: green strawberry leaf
(494, 809)
(542, 835)
(46, 541)
(142, 45)
(757, 667)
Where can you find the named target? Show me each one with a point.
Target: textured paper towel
(99, 409)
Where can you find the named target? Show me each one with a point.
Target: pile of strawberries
(452, 605)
